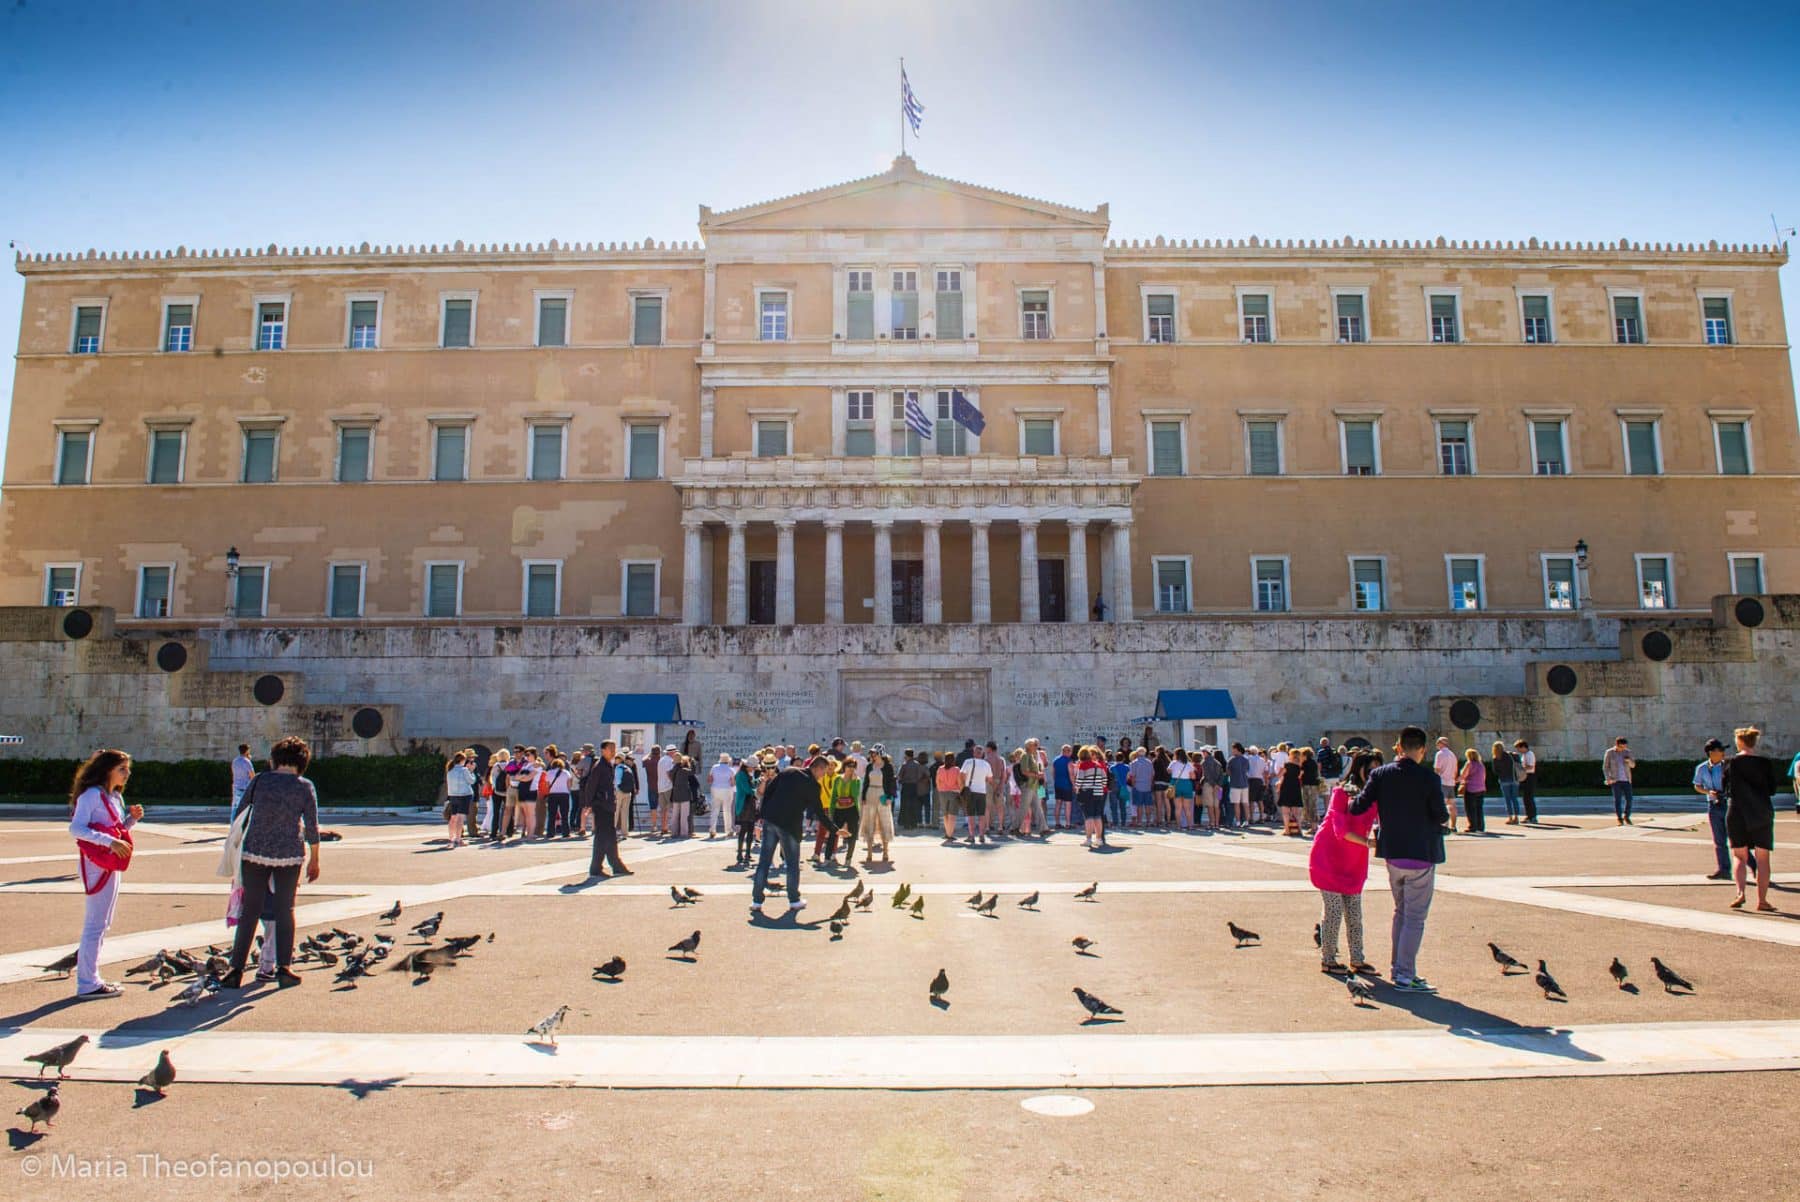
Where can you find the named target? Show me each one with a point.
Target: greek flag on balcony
(966, 413)
(916, 418)
(909, 104)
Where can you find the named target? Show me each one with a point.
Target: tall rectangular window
(640, 590)
(547, 451)
(450, 452)
(252, 595)
(1034, 314)
(1352, 320)
(1359, 448)
(73, 451)
(949, 305)
(271, 325)
(903, 440)
(346, 600)
(646, 321)
(1368, 584)
(1037, 436)
(1454, 453)
(87, 330)
(1254, 307)
(771, 439)
(1165, 449)
(1271, 585)
(443, 590)
(1628, 319)
(859, 423)
(952, 435)
(1656, 583)
(1465, 583)
(259, 455)
(1549, 457)
(905, 306)
(353, 454)
(644, 454)
(61, 583)
(553, 321)
(1642, 455)
(1560, 583)
(365, 325)
(859, 305)
(773, 307)
(1159, 317)
(1171, 586)
(153, 591)
(459, 322)
(1443, 317)
(1716, 311)
(1747, 574)
(178, 328)
(1734, 447)
(1265, 447)
(543, 586)
(1535, 313)
(166, 448)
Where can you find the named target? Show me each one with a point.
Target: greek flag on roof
(917, 420)
(909, 104)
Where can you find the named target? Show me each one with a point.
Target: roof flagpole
(902, 106)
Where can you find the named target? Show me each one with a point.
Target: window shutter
(1256, 304)
(1640, 439)
(540, 591)
(1040, 438)
(546, 452)
(640, 590)
(181, 315)
(1734, 449)
(1547, 442)
(165, 457)
(643, 452)
(451, 441)
(950, 315)
(87, 322)
(647, 317)
(456, 322)
(1349, 304)
(771, 439)
(72, 469)
(249, 602)
(1165, 449)
(1746, 576)
(259, 457)
(1162, 305)
(443, 591)
(1265, 449)
(859, 442)
(1537, 307)
(553, 321)
(1359, 445)
(346, 581)
(859, 314)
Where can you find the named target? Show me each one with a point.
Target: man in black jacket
(1410, 801)
(785, 803)
(597, 794)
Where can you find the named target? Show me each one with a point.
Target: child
(1339, 865)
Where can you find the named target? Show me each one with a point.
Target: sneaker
(1718, 876)
(286, 980)
(1416, 985)
(796, 907)
(756, 909)
(103, 989)
(265, 975)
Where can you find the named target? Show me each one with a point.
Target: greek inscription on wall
(769, 704)
(1056, 699)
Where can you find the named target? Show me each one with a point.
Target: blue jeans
(774, 836)
(1509, 789)
(1715, 814)
(1115, 808)
(1621, 791)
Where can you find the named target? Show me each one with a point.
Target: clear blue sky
(137, 126)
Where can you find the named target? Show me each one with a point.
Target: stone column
(981, 601)
(784, 573)
(706, 423)
(1106, 569)
(884, 573)
(737, 597)
(1121, 602)
(690, 574)
(834, 572)
(1028, 570)
(1103, 416)
(934, 573)
(1079, 605)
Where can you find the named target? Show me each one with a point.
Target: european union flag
(966, 413)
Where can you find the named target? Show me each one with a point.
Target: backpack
(628, 779)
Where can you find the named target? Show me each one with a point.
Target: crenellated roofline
(398, 255)
(1443, 248)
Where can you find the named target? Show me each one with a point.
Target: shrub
(341, 780)
(1660, 776)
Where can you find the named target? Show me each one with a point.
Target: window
(859, 305)
(1746, 574)
(443, 590)
(88, 320)
(639, 589)
(646, 321)
(903, 440)
(643, 451)
(774, 309)
(771, 439)
(167, 450)
(1159, 317)
(1443, 316)
(456, 324)
(543, 588)
(74, 456)
(1561, 590)
(365, 324)
(178, 327)
(949, 305)
(252, 597)
(1715, 312)
(354, 443)
(904, 306)
(153, 590)
(271, 325)
(1352, 317)
(1362, 456)
(1628, 319)
(1466, 592)
(1731, 443)
(1271, 580)
(260, 448)
(546, 451)
(346, 594)
(1037, 436)
(1534, 314)
(1549, 448)
(1253, 309)
(450, 451)
(1172, 584)
(1264, 447)
(553, 321)
(1368, 584)
(62, 584)
(1643, 448)
(952, 435)
(1167, 457)
(1034, 314)
(1455, 454)
(859, 423)
(1656, 583)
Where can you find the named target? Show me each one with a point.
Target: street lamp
(231, 579)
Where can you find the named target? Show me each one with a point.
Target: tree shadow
(1486, 1026)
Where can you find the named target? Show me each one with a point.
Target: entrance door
(909, 591)
(762, 592)
(1053, 594)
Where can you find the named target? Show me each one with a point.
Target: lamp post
(231, 579)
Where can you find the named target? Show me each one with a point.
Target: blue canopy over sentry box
(640, 709)
(1202, 717)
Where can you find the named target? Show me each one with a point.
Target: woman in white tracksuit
(101, 822)
(721, 795)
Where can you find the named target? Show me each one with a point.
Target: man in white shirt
(977, 775)
(242, 771)
(665, 777)
(721, 782)
(1446, 764)
(1525, 767)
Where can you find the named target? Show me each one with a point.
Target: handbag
(104, 859)
(231, 857)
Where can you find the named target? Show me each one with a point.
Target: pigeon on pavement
(1548, 984)
(692, 895)
(1082, 943)
(1094, 1006)
(842, 913)
(58, 1057)
(392, 915)
(837, 928)
(612, 969)
(918, 906)
(678, 898)
(1618, 971)
(1671, 980)
(198, 989)
(1506, 962)
(858, 891)
(940, 985)
(149, 966)
(1088, 893)
(974, 901)
(687, 947)
(901, 894)
(1318, 940)
(546, 1026)
(160, 1077)
(65, 965)
(1361, 992)
(1029, 902)
(987, 907)
(1241, 935)
(458, 944)
(44, 1110)
(429, 928)
(866, 900)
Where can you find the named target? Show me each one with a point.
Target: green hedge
(1672, 776)
(341, 780)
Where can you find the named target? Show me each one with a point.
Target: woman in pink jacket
(1340, 866)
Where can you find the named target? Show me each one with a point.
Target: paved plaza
(781, 1061)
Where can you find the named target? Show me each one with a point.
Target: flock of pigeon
(1671, 980)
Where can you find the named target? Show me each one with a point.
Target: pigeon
(1548, 984)
(1094, 1006)
(58, 1057)
(328, 959)
(1241, 935)
(218, 966)
(1671, 980)
(425, 961)
(687, 947)
(1618, 972)
(354, 967)
(692, 895)
(918, 906)
(200, 988)
(837, 929)
(842, 913)
(1361, 992)
(987, 907)
(392, 915)
(901, 894)
(1506, 962)
(384, 941)
(429, 928)
(866, 900)
(160, 1077)
(458, 944)
(324, 939)
(940, 985)
(1317, 940)
(1029, 902)
(342, 935)
(858, 891)
(1088, 893)
(1082, 943)
(678, 898)
(44, 1109)
(65, 966)
(612, 969)
(183, 961)
(165, 972)
(546, 1027)
(974, 901)
(149, 966)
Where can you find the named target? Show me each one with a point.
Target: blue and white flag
(917, 420)
(909, 104)
(966, 413)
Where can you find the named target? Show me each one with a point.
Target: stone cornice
(1313, 252)
(474, 256)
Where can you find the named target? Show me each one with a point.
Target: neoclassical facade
(717, 433)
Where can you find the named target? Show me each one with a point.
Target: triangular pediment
(903, 197)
